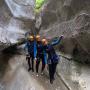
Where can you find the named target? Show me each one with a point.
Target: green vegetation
(38, 5)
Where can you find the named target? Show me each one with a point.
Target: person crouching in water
(53, 58)
(40, 55)
(30, 47)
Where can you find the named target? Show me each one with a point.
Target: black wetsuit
(53, 58)
(52, 62)
(40, 57)
(30, 57)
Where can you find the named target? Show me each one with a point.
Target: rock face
(64, 10)
(71, 18)
(68, 17)
(22, 9)
(12, 28)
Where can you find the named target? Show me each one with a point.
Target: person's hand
(62, 35)
(34, 61)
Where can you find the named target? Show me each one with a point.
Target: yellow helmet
(31, 38)
(38, 37)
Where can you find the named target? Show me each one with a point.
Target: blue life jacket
(35, 49)
(31, 47)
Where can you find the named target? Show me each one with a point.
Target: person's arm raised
(57, 41)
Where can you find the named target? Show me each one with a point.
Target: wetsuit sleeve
(45, 57)
(35, 49)
(57, 41)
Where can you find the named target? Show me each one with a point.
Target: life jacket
(35, 49)
(45, 56)
(31, 48)
(39, 48)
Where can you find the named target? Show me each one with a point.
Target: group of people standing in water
(40, 50)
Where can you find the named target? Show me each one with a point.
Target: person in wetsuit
(40, 55)
(53, 58)
(30, 47)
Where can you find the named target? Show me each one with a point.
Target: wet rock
(76, 32)
(11, 28)
(22, 9)
(63, 10)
